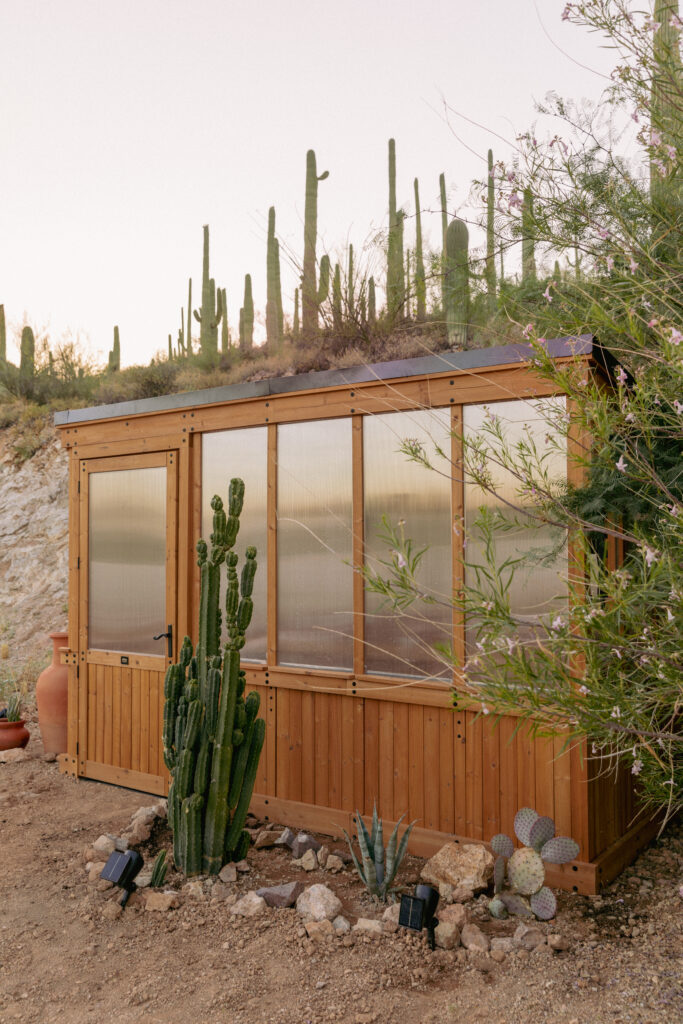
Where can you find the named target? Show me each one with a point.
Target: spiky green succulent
(377, 868)
(526, 866)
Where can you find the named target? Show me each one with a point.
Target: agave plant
(159, 870)
(378, 868)
(526, 895)
(14, 707)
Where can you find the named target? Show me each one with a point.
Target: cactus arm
(402, 847)
(257, 739)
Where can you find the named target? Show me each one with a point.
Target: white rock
(228, 873)
(467, 866)
(323, 854)
(341, 925)
(472, 937)
(392, 913)
(368, 925)
(317, 903)
(104, 845)
(309, 861)
(447, 935)
(334, 864)
(249, 906)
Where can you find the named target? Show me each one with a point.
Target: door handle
(169, 637)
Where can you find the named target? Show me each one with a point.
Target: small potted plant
(13, 731)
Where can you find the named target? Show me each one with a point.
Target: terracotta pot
(51, 698)
(13, 734)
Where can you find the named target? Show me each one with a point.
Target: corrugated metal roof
(443, 362)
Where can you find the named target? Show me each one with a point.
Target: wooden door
(127, 609)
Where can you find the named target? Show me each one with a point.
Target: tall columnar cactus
(457, 282)
(350, 297)
(313, 293)
(420, 281)
(528, 249)
(490, 237)
(526, 894)
(444, 232)
(27, 367)
(188, 325)
(225, 327)
(170, 348)
(665, 112)
(114, 362)
(3, 336)
(211, 310)
(372, 303)
(212, 737)
(274, 318)
(395, 279)
(296, 326)
(247, 317)
(337, 299)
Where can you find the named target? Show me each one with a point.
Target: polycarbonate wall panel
(127, 560)
(406, 491)
(537, 590)
(241, 453)
(314, 545)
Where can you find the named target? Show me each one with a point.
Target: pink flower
(653, 322)
(671, 152)
(558, 623)
(655, 138)
(621, 464)
(678, 407)
(584, 690)
(621, 375)
(527, 330)
(633, 266)
(603, 232)
(650, 556)
(566, 12)
(630, 418)
(400, 560)
(676, 336)
(661, 168)
(547, 295)
(676, 22)
(637, 767)
(484, 710)
(610, 264)
(515, 200)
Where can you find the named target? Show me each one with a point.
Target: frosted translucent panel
(315, 586)
(242, 453)
(127, 580)
(536, 590)
(403, 490)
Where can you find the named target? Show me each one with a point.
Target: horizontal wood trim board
(620, 854)
(579, 876)
(370, 397)
(128, 446)
(125, 777)
(142, 661)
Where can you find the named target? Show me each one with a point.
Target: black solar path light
(417, 912)
(121, 869)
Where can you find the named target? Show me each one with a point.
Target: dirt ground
(63, 959)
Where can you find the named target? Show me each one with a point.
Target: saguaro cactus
(457, 282)
(27, 357)
(372, 303)
(350, 298)
(225, 327)
(337, 299)
(296, 327)
(247, 317)
(114, 362)
(420, 281)
(528, 253)
(490, 271)
(274, 317)
(212, 737)
(444, 231)
(211, 310)
(395, 281)
(312, 294)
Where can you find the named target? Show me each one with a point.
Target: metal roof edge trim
(443, 362)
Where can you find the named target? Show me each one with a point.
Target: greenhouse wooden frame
(337, 741)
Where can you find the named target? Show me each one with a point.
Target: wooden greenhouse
(357, 708)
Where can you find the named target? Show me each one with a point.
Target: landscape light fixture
(417, 912)
(121, 869)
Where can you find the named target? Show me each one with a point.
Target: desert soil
(63, 958)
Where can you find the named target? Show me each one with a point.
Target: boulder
(317, 903)
(447, 935)
(249, 906)
(304, 842)
(281, 895)
(466, 866)
(472, 937)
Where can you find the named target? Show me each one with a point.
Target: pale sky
(127, 126)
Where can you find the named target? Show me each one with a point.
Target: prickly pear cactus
(212, 737)
(526, 866)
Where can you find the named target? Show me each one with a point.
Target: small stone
(447, 935)
(89, 855)
(389, 927)
(139, 832)
(220, 891)
(49, 757)
(161, 900)
(95, 871)
(104, 845)
(121, 844)
(281, 895)
(265, 839)
(498, 955)
(243, 867)
(348, 941)
(303, 842)
(558, 942)
(528, 937)
(341, 925)
(285, 838)
(194, 889)
(317, 902)
(502, 944)
(368, 925)
(112, 910)
(334, 864)
(103, 884)
(161, 808)
(318, 931)
(15, 754)
(323, 854)
(145, 815)
(479, 960)
(249, 906)
(228, 873)
(455, 913)
(472, 937)
(391, 914)
(466, 866)
(344, 855)
(143, 880)
(309, 861)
